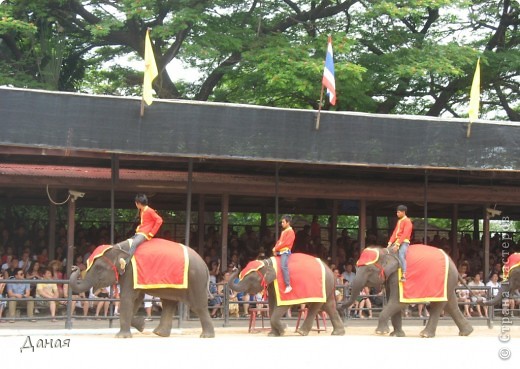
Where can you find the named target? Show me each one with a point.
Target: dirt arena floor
(234, 347)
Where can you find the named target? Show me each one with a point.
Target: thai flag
(328, 74)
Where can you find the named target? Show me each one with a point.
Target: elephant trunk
(357, 286)
(502, 292)
(238, 287)
(79, 285)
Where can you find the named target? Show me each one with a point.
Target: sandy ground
(234, 347)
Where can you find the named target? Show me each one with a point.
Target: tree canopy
(402, 57)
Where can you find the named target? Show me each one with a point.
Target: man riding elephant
(149, 226)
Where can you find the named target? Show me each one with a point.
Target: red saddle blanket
(426, 275)
(512, 262)
(157, 263)
(307, 275)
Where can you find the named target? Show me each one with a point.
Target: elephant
(384, 271)
(105, 271)
(265, 277)
(508, 286)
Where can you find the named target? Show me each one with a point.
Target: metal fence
(67, 306)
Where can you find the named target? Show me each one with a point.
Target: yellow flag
(474, 97)
(150, 70)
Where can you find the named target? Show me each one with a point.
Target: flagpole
(319, 109)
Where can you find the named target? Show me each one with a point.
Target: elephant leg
(390, 310)
(452, 308)
(138, 321)
(202, 311)
(130, 302)
(165, 324)
(436, 309)
(337, 323)
(397, 323)
(277, 327)
(306, 326)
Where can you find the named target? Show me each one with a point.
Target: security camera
(76, 194)
(493, 212)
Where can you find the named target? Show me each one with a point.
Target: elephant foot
(397, 334)
(273, 333)
(162, 332)
(138, 323)
(338, 332)
(124, 334)
(207, 335)
(426, 334)
(466, 332)
(382, 332)
(302, 333)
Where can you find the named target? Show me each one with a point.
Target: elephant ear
(252, 266)
(369, 256)
(270, 274)
(98, 252)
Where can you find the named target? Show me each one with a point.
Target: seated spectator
(43, 257)
(478, 294)
(84, 304)
(10, 270)
(47, 291)
(103, 303)
(494, 284)
(338, 282)
(349, 274)
(7, 263)
(149, 303)
(463, 297)
(232, 297)
(514, 301)
(420, 308)
(364, 302)
(3, 304)
(243, 297)
(22, 293)
(216, 301)
(56, 268)
(34, 273)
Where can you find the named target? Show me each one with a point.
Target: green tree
(404, 57)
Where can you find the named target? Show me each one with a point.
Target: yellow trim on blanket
(302, 300)
(89, 265)
(258, 267)
(164, 285)
(427, 299)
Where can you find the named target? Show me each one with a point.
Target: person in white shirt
(478, 294)
(494, 284)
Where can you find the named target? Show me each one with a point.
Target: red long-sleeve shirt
(150, 223)
(286, 241)
(402, 232)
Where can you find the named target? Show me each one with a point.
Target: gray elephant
(105, 271)
(384, 270)
(265, 276)
(510, 284)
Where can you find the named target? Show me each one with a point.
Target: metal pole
(485, 236)
(276, 210)
(425, 207)
(114, 176)
(188, 226)
(70, 234)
